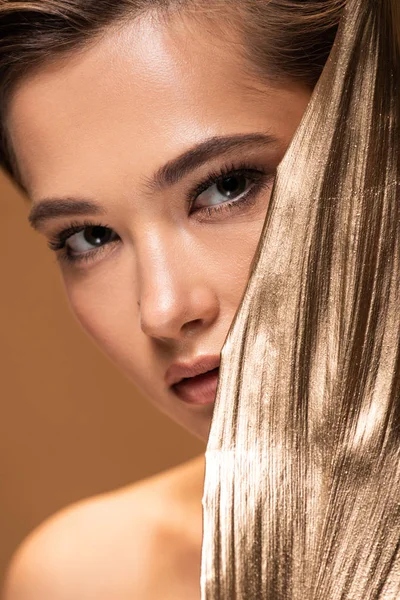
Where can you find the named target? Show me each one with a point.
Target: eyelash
(260, 181)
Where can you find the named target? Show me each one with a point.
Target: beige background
(70, 424)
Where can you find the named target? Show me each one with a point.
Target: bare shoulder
(117, 545)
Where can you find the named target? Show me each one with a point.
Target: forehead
(132, 100)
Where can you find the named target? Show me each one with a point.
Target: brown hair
(282, 38)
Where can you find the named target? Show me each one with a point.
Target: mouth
(198, 390)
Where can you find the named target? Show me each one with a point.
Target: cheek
(238, 248)
(104, 303)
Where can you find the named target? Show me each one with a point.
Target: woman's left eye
(229, 190)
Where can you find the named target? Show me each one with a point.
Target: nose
(176, 297)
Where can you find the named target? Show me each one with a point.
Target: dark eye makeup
(242, 183)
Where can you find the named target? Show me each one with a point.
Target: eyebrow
(176, 169)
(48, 209)
(168, 175)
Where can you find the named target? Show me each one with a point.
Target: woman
(147, 135)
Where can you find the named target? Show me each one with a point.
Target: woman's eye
(228, 188)
(89, 239)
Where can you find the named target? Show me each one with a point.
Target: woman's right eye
(90, 238)
(80, 242)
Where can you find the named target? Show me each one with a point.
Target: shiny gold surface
(302, 490)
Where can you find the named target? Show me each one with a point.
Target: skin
(97, 125)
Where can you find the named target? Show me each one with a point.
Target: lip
(199, 390)
(181, 370)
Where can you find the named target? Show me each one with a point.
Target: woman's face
(149, 158)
